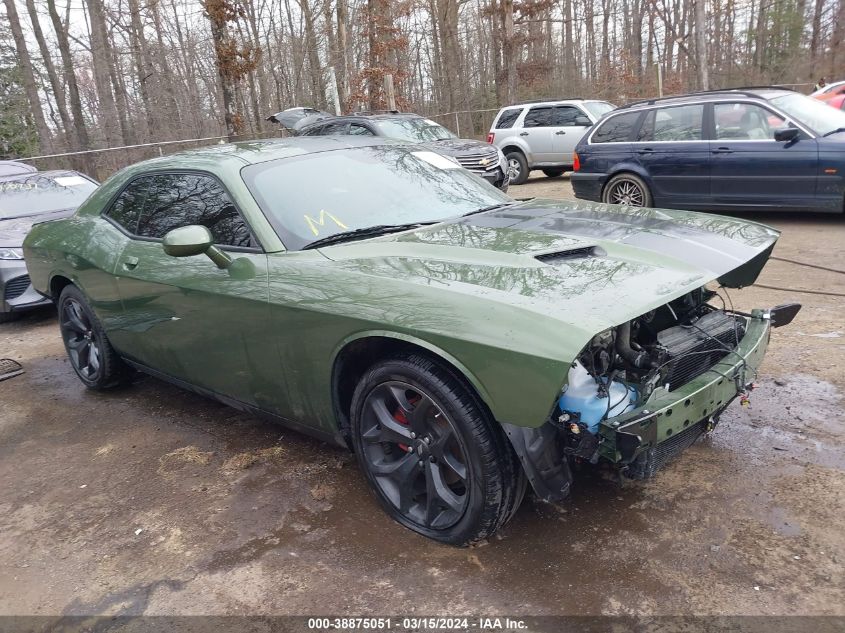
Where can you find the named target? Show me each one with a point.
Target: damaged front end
(640, 393)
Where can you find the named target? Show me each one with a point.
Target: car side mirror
(583, 121)
(187, 241)
(786, 134)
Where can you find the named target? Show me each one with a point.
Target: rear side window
(616, 129)
(176, 200)
(508, 118)
(681, 123)
(126, 209)
(539, 117)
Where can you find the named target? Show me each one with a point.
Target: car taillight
(576, 162)
(490, 137)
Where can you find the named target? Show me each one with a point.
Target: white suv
(543, 134)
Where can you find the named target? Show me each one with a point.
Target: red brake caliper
(401, 418)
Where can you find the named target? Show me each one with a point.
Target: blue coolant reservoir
(581, 395)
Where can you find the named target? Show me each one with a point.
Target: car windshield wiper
(492, 207)
(368, 231)
(836, 131)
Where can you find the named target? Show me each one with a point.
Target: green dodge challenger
(465, 345)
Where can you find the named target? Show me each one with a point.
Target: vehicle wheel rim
(627, 192)
(80, 340)
(413, 452)
(514, 168)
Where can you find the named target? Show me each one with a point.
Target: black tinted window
(565, 115)
(127, 208)
(508, 118)
(616, 129)
(539, 117)
(175, 200)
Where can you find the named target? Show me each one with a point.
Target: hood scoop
(581, 252)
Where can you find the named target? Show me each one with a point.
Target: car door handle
(645, 150)
(723, 150)
(130, 263)
(523, 133)
(560, 133)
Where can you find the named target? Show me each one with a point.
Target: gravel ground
(150, 500)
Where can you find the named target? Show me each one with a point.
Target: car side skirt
(332, 438)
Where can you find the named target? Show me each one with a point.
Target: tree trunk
(701, 46)
(28, 76)
(72, 88)
(102, 78)
(55, 84)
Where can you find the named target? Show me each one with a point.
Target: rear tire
(517, 167)
(91, 355)
(627, 189)
(6, 317)
(554, 173)
(434, 458)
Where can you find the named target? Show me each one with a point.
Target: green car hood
(588, 265)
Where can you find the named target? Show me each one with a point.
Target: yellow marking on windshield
(313, 224)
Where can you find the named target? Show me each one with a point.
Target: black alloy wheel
(434, 456)
(80, 341)
(88, 348)
(415, 455)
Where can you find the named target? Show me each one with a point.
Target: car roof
(53, 173)
(535, 102)
(755, 92)
(15, 168)
(252, 152)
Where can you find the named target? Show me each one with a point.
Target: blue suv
(728, 150)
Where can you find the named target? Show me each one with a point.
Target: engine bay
(666, 347)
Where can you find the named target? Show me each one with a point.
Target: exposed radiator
(696, 348)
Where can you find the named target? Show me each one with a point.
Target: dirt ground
(150, 500)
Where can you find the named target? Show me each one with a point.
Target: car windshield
(310, 197)
(413, 130)
(38, 193)
(599, 108)
(815, 114)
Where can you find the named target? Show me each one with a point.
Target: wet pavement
(156, 501)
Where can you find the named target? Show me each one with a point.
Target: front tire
(554, 173)
(91, 355)
(433, 457)
(517, 167)
(627, 189)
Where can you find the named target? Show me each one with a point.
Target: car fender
(630, 167)
(517, 143)
(419, 342)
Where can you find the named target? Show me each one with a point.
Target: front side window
(679, 123)
(745, 121)
(508, 118)
(126, 209)
(539, 117)
(565, 116)
(369, 186)
(176, 200)
(616, 129)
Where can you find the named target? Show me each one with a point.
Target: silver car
(543, 134)
(28, 196)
